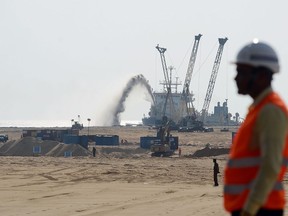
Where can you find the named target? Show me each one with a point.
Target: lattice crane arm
(191, 64)
(164, 66)
(213, 77)
(186, 92)
(167, 82)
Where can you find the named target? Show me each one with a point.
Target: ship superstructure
(170, 107)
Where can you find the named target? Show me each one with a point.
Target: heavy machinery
(190, 111)
(164, 145)
(167, 101)
(167, 86)
(177, 107)
(213, 77)
(189, 121)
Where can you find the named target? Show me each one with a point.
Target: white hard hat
(259, 54)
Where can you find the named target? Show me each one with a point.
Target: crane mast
(167, 81)
(191, 63)
(213, 77)
(164, 66)
(188, 77)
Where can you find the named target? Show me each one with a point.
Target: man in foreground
(259, 153)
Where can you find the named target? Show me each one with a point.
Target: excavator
(164, 145)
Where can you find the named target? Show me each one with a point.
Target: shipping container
(84, 141)
(74, 139)
(107, 140)
(71, 139)
(47, 134)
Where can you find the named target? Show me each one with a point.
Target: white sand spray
(139, 80)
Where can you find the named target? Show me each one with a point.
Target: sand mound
(118, 152)
(208, 151)
(61, 149)
(25, 146)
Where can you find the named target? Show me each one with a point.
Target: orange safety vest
(243, 163)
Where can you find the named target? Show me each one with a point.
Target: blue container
(71, 139)
(74, 139)
(107, 140)
(84, 141)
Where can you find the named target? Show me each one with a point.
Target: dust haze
(113, 114)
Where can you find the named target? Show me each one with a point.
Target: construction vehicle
(167, 87)
(213, 77)
(189, 122)
(164, 145)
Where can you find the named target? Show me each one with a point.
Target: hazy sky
(63, 58)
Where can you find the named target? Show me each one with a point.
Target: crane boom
(213, 77)
(187, 102)
(164, 66)
(167, 81)
(191, 63)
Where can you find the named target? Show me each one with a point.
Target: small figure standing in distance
(94, 151)
(215, 172)
(259, 153)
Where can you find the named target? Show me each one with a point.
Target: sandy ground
(107, 185)
(91, 186)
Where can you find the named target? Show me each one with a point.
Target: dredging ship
(177, 106)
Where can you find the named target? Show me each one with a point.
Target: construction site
(176, 107)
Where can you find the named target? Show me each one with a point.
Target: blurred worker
(259, 153)
(94, 151)
(215, 172)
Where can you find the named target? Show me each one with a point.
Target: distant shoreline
(52, 123)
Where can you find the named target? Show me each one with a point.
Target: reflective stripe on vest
(239, 188)
(249, 162)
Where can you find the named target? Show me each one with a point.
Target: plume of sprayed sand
(113, 117)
